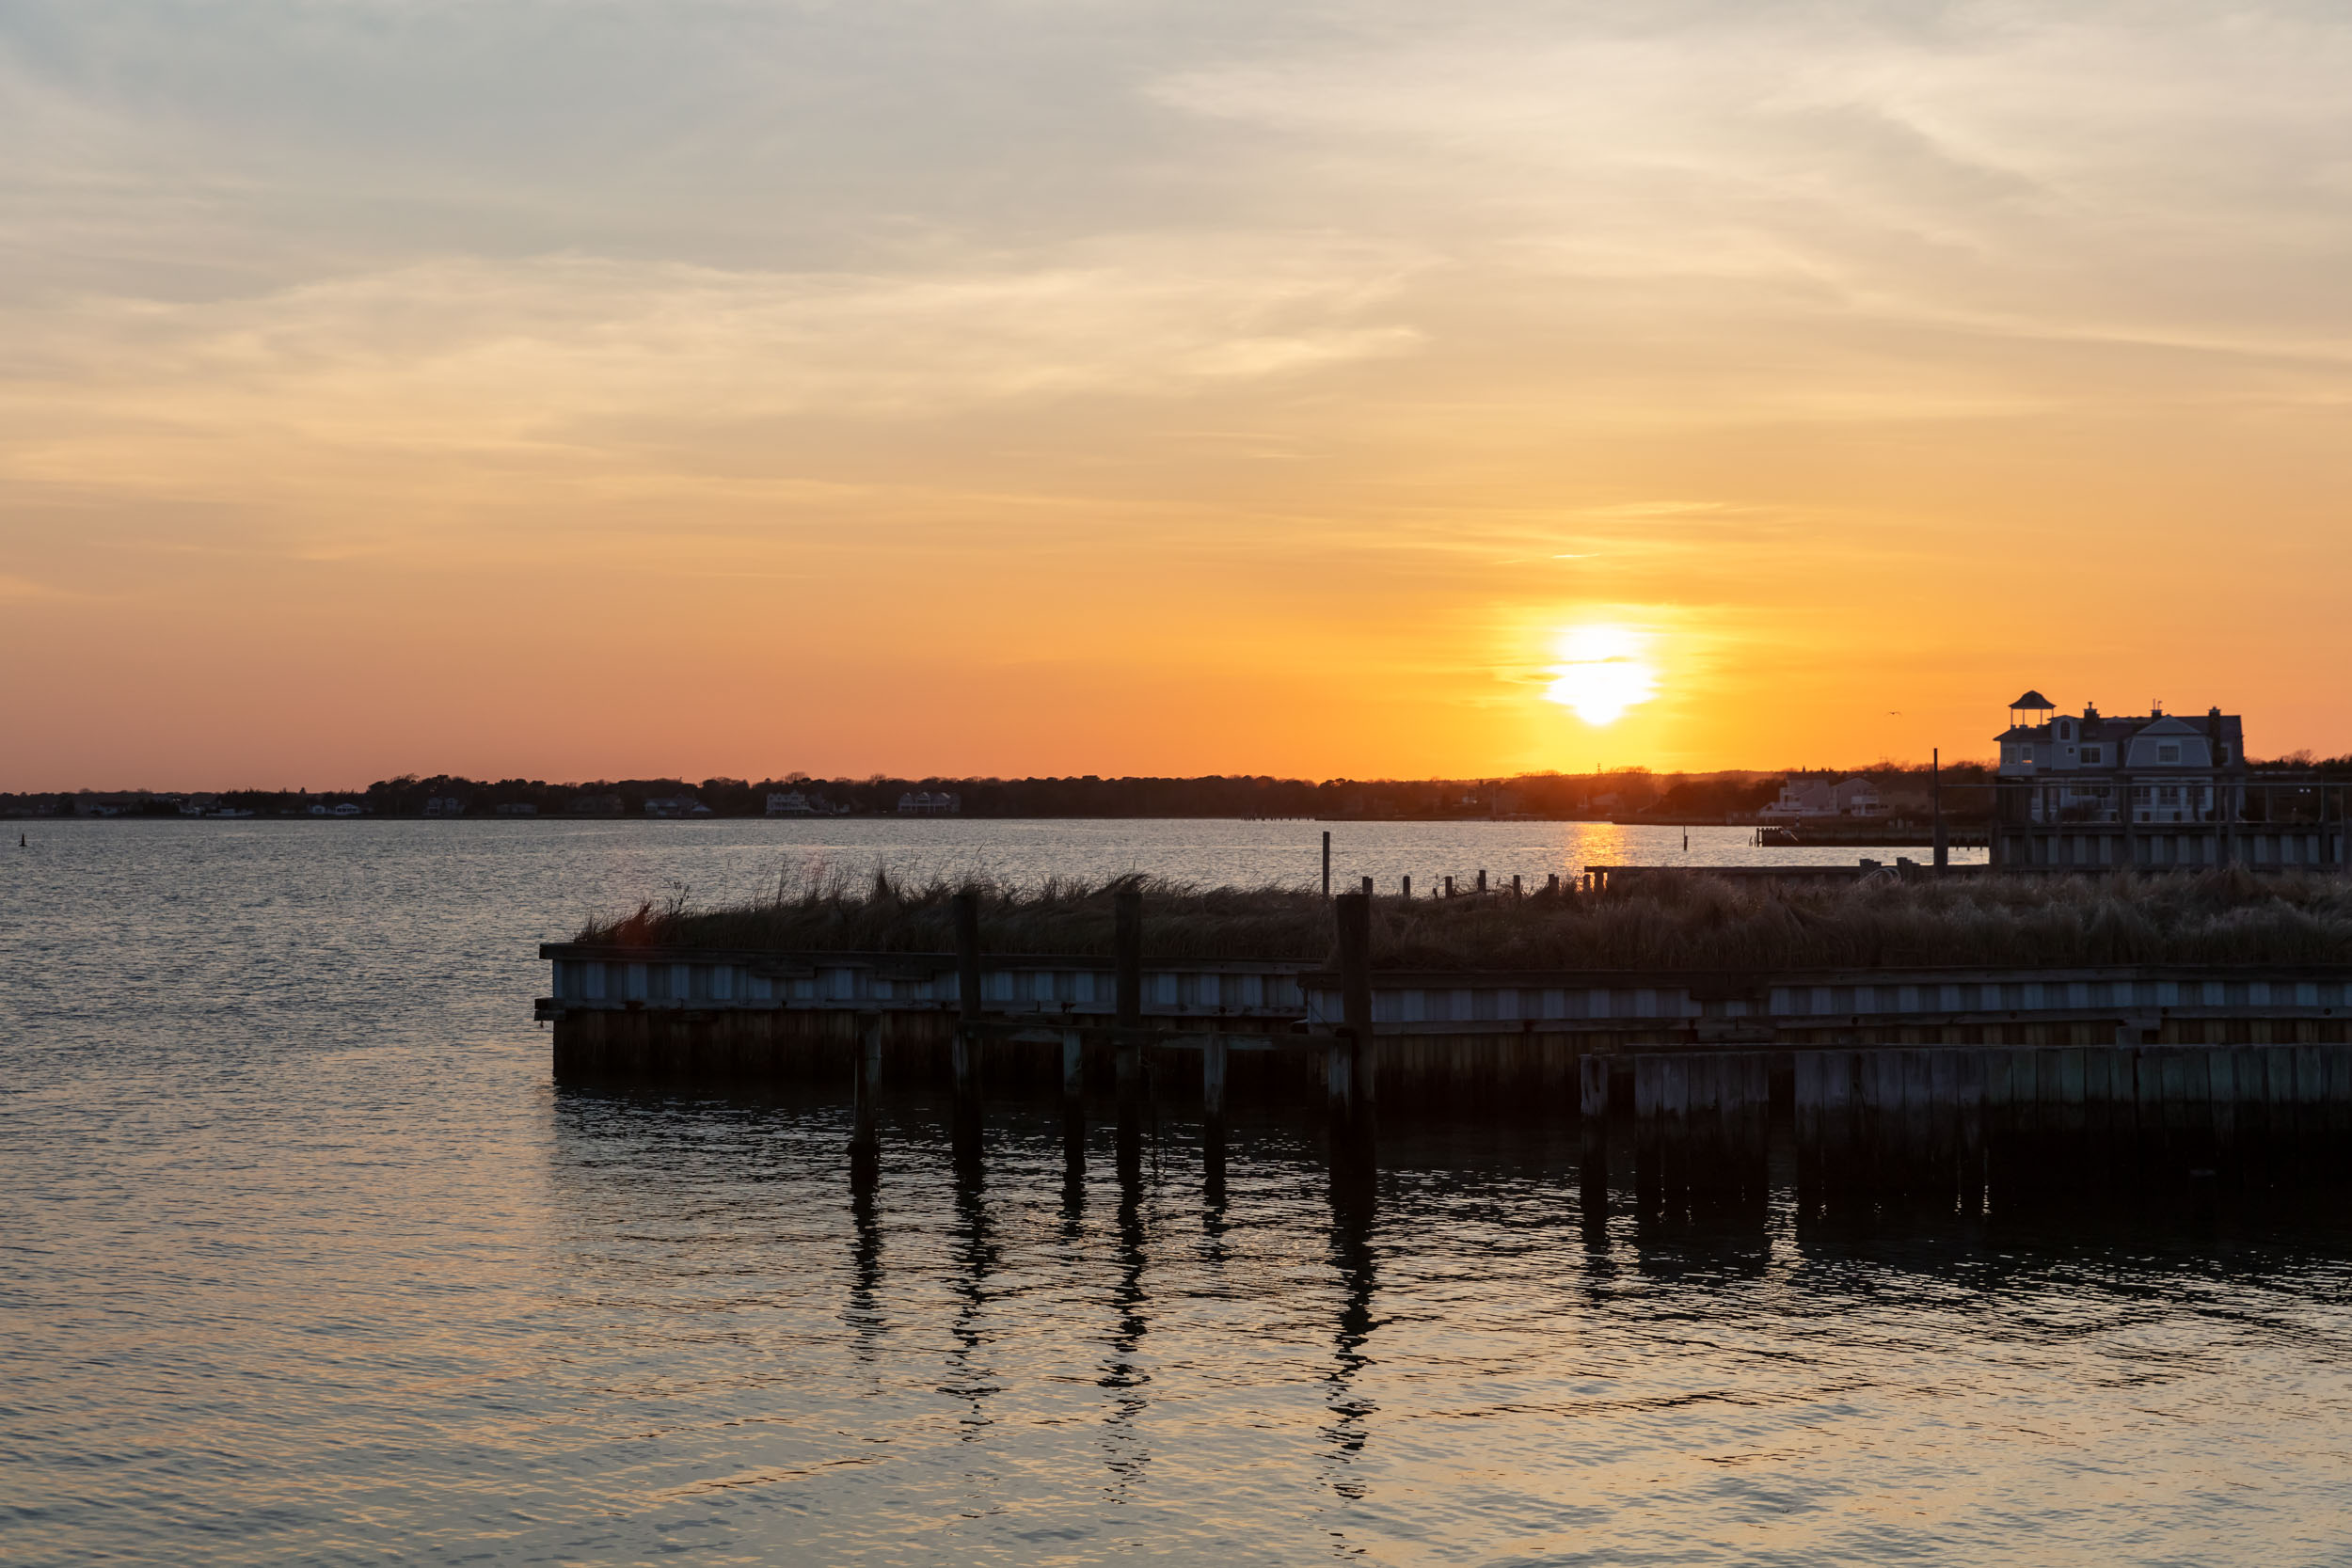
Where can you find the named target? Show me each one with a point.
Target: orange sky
(1042, 389)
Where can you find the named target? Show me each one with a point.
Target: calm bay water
(306, 1259)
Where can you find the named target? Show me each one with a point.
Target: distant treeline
(1620, 794)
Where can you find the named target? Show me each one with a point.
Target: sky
(578, 388)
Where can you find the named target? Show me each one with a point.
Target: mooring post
(1408, 887)
(1515, 884)
(1326, 862)
(1073, 1103)
(965, 1130)
(1482, 879)
(1448, 887)
(1127, 960)
(865, 1094)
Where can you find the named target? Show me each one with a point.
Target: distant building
(445, 805)
(790, 803)
(1803, 797)
(676, 805)
(346, 809)
(595, 805)
(2152, 790)
(518, 808)
(922, 802)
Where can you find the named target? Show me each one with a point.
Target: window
(2066, 730)
(2168, 752)
(2093, 756)
(2224, 752)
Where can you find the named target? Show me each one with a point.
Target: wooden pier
(1894, 1074)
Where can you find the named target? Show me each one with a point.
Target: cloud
(473, 354)
(2165, 174)
(18, 590)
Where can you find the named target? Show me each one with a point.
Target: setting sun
(1601, 673)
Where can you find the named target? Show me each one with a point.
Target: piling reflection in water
(1345, 1272)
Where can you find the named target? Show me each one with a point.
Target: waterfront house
(925, 804)
(445, 805)
(2154, 790)
(676, 805)
(790, 802)
(1803, 797)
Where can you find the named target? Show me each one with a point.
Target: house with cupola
(2095, 790)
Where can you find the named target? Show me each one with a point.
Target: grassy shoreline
(1681, 921)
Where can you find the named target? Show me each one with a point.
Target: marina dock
(1885, 1078)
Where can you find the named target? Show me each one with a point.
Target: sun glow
(1601, 673)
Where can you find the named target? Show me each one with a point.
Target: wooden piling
(865, 1096)
(1591, 1072)
(1127, 963)
(1213, 1116)
(1355, 945)
(1074, 1104)
(1351, 1080)
(965, 1130)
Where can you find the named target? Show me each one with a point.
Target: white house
(1815, 796)
(2075, 768)
(2090, 789)
(924, 803)
(790, 802)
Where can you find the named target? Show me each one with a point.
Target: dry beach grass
(1680, 920)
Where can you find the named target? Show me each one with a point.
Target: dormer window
(2066, 730)
(2093, 756)
(2168, 752)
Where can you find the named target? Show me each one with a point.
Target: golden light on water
(1601, 673)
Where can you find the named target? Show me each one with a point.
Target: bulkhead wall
(818, 1046)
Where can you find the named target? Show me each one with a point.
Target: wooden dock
(1882, 1070)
